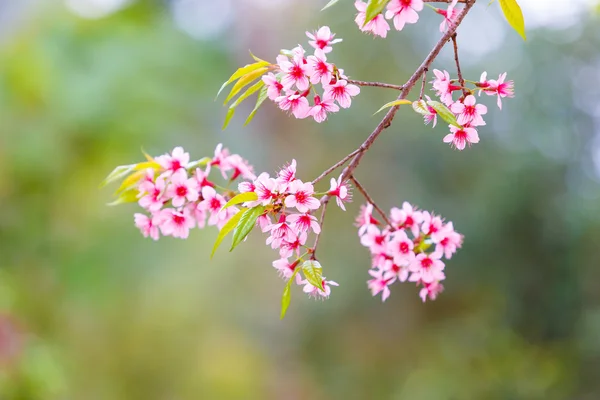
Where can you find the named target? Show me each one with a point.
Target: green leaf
(228, 227)
(332, 2)
(393, 104)
(251, 90)
(245, 225)
(241, 198)
(420, 107)
(262, 96)
(243, 71)
(259, 60)
(374, 8)
(444, 113)
(244, 81)
(199, 163)
(313, 272)
(117, 174)
(128, 196)
(286, 297)
(514, 16)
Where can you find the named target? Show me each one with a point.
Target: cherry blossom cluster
(296, 74)
(410, 249)
(288, 219)
(401, 12)
(469, 115)
(177, 194)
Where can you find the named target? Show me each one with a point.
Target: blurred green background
(90, 310)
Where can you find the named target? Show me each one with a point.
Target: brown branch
(461, 80)
(375, 84)
(313, 250)
(387, 119)
(370, 200)
(423, 84)
(335, 166)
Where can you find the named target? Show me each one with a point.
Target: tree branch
(387, 119)
(335, 166)
(461, 80)
(313, 250)
(370, 200)
(375, 84)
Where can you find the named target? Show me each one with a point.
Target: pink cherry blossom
(295, 71)
(431, 290)
(146, 225)
(239, 166)
(432, 226)
(322, 71)
(401, 249)
(152, 194)
(274, 87)
(301, 197)
(365, 218)
(199, 213)
(246, 186)
(280, 231)
(427, 268)
(378, 26)
(287, 248)
(379, 284)
(264, 221)
(304, 222)
(449, 241)
(177, 159)
(176, 223)
(315, 292)
(182, 189)
(460, 137)
(341, 191)
(449, 16)
(374, 239)
(501, 88)
(296, 103)
(213, 202)
(286, 269)
(403, 12)
(266, 189)
(396, 271)
(322, 107)
(202, 177)
(469, 112)
(430, 113)
(342, 92)
(322, 39)
(220, 159)
(407, 218)
(287, 174)
(443, 86)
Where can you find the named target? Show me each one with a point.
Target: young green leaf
(117, 174)
(245, 225)
(241, 72)
(444, 113)
(331, 3)
(514, 16)
(374, 8)
(128, 196)
(420, 107)
(259, 60)
(130, 181)
(241, 198)
(251, 90)
(313, 272)
(228, 227)
(244, 81)
(199, 163)
(287, 294)
(393, 104)
(262, 96)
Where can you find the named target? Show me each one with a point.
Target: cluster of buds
(401, 12)
(409, 247)
(467, 115)
(296, 75)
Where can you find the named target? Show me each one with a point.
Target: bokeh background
(91, 310)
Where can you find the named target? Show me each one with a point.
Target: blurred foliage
(93, 311)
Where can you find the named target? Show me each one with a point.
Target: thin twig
(461, 80)
(375, 84)
(387, 119)
(335, 166)
(423, 84)
(370, 200)
(313, 250)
